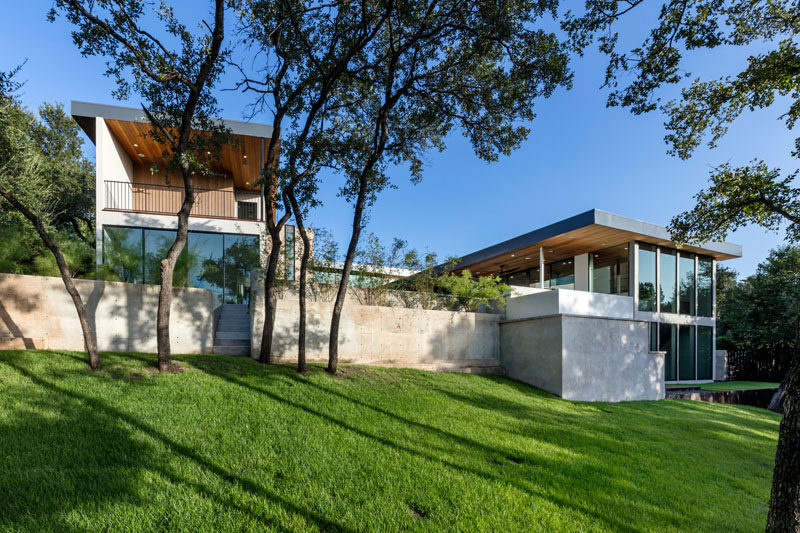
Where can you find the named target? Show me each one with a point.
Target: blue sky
(580, 154)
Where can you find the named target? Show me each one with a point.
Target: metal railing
(167, 200)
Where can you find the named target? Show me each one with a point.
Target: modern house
(585, 286)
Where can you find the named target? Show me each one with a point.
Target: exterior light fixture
(135, 145)
(141, 155)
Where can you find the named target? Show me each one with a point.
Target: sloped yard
(232, 445)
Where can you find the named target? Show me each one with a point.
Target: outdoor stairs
(233, 331)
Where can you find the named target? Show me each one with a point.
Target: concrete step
(228, 334)
(232, 342)
(229, 309)
(232, 350)
(233, 325)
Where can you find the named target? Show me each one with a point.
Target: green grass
(740, 385)
(230, 445)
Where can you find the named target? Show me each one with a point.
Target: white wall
(544, 302)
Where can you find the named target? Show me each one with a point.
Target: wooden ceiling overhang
(240, 160)
(588, 232)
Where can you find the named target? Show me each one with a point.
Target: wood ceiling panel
(584, 240)
(239, 160)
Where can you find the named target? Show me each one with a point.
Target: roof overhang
(131, 128)
(580, 234)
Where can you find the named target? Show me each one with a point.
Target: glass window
(157, 243)
(705, 294)
(609, 270)
(646, 264)
(122, 254)
(241, 256)
(519, 279)
(289, 253)
(206, 269)
(560, 275)
(686, 353)
(667, 286)
(667, 342)
(653, 336)
(246, 210)
(705, 351)
(687, 284)
(533, 275)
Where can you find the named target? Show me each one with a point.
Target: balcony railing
(167, 200)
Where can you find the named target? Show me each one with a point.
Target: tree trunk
(784, 500)
(301, 297)
(776, 403)
(167, 269)
(341, 293)
(270, 296)
(86, 327)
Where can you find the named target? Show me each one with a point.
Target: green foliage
(258, 448)
(470, 293)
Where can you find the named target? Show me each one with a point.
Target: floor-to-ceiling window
(705, 294)
(608, 270)
(705, 352)
(667, 288)
(560, 275)
(218, 262)
(686, 365)
(668, 343)
(646, 262)
(123, 251)
(687, 284)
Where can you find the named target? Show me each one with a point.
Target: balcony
(167, 200)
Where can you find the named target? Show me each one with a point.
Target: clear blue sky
(580, 155)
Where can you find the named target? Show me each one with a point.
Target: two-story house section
(136, 209)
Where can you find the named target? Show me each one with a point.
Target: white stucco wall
(544, 302)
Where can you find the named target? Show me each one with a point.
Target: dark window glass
(519, 279)
(533, 274)
(653, 336)
(241, 256)
(705, 351)
(206, 268)
(667, 286)
(705, 295)
(122, 254)
(157, 243)
(609, 270)
(560, 275)
(686, 353)
(647, 277)
(246, 210)
(667, 341)
(687, 285)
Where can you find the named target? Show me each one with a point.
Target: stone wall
(37, 312)
(381, 335)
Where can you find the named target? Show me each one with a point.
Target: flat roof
(587, 232)
(82, 111)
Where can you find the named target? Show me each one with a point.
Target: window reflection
(609, 270)
(560, 275)
(705, 295)
(668, 284)
(687, 284)
(647, 277)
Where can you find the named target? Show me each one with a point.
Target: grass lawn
(235, 446)
(740, 385)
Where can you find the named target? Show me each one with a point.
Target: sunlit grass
(230, 445)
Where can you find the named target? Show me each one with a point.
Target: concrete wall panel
(530, 351)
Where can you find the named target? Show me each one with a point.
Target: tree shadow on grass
(87, 441)
(560, 472)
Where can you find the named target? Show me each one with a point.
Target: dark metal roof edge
(587, 218)
(132, 114)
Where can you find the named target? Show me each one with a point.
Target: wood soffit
(240, 161)
(567, 245)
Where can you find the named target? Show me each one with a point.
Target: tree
(309, 53)
(434, 67)
(175, 83)
(40, 165)
(470, 294)
(738, 196)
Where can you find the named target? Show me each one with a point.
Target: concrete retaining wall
(384, 336)
(37, 312)
(583, 358)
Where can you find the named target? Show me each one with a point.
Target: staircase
(233, 331)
